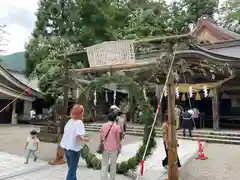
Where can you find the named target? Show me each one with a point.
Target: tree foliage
(50, 70)
(195, 9)
(230, 15)
(148, 21)
(82, 23)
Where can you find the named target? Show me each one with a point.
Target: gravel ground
(223, 164)
(13, 138)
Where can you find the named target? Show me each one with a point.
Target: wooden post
(14, 119)
(172, 141)
(215, 108)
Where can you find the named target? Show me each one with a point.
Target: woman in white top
(72, 140)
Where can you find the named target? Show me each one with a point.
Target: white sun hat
(114, 107)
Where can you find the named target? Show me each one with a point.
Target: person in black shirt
(187, 123)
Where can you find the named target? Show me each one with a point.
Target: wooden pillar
(14, 118)
(215, 108)
(172, 141)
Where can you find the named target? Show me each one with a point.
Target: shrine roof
(218, 41)
(19, 81)
(221, 33)
(227, 52)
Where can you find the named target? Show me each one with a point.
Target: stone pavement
(222, 164)
(13, 167)
(153, 165)
(12, 136)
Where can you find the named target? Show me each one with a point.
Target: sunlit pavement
(12, 167)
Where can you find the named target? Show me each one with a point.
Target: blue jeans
(72, 158)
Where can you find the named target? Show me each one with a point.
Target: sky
(19, 18)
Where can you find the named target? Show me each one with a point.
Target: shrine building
(18, 95)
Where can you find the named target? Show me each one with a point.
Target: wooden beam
(215, 108)
(226, 80)
(163, 38)
(111, 68)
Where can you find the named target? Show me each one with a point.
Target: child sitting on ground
(32, 145)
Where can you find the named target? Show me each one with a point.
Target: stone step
(44, 129)
(203, 137)
(179, 133)
(219, 133)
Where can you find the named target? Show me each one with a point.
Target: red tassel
(142, 167)
(28, 91)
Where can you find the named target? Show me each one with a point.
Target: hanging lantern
(165, 91)
(106, 96)
(190, 91)
(213, 76)
(95, 98)
(28, 91)
(183, 97)
(205, 90)
(114, 97)
(177, 92)
(210, 93)
(198, 97)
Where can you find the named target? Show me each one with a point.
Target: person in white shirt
(32, 114)
(195, 114)
(32, 145)
(73, 139)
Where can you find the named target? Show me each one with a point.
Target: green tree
(89, 22)
(196, 8)
(49, 23)
(185, 12)
(230, 15)
(86, 22)
(150, 20)
(50, 70)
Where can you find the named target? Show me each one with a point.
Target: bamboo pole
(172, 141)
(143, 40)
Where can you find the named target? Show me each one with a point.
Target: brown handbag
(100, 148)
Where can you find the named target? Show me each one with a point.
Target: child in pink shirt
(110, 134)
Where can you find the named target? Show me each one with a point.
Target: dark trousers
(72, 158)
(165, 161)
(189, 130)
